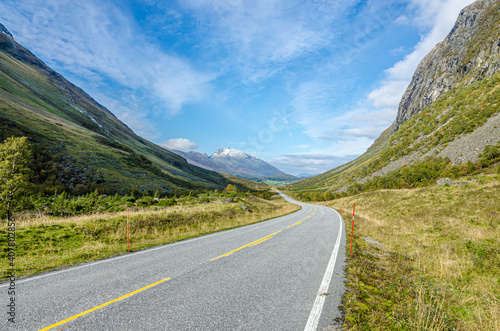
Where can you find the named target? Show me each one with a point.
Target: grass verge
(424, 259)
(44, 244)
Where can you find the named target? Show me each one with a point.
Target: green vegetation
(79, 146)
(68, 230)
(15, 158)
(458, 112)
(425, 258)
(276, 180)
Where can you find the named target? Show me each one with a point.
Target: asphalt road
(273, 275)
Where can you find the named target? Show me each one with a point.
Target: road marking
(128, 255)
(313, 320)
(299, 222)
(294, 224)
(253, 243)
(101, 306)
(261, 240)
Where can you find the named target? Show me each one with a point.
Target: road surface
(282, 274)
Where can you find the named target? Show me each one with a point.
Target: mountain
(233, 161)
(79, 145)
(468, 54)
(305, 175)
(448, 121)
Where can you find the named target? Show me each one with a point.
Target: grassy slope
(36, 101)
(456, 113)
(46, 243)
(338, 177)
(425, 258)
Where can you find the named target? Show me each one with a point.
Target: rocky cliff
(458, 85)
(469, 53)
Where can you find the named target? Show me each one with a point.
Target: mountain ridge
(449, 62)
(448, 119)
(232, 161)
(79, 145)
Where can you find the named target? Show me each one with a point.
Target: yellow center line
(261, 240)
(294, 224)
(299, 222)
(253, 243)
(101, 306)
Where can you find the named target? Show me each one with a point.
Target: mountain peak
(232, 161)
(4, 30)
(460, 57)
(229, 152)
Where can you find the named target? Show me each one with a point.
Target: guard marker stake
(128, 247)
(352, 230)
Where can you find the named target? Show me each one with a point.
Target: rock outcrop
(469, 53)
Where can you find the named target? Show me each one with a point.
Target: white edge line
(313, 320)
(110, 259)
(125, 255)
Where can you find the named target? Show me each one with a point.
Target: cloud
(310, 163)
(435, 18)
(179, 144)
(315, 107)
(262, 36)
(101, 43)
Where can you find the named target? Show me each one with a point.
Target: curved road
(282, 274)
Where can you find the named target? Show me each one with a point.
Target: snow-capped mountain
(231, 161)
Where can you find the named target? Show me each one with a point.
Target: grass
(425, 258)
(44, 243)
(59, 118)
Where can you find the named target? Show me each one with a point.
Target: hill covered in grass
(78, 144)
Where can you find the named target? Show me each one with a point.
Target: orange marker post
(128, 247)
(352, 230)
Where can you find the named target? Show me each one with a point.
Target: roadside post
(352, 229)
(128, 247)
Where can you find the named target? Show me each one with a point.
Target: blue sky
(304, 85)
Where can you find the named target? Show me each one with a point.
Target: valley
(82, 194)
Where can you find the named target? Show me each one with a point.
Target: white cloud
(389, 94)
(261, 36)
(310, 163)
(182, 144)
(435, 18)
(315, 108)
(99, 42)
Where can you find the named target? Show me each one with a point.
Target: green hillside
(78, 144)
(447, 123)
(457, 113)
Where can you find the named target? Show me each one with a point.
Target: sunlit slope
(84, 141)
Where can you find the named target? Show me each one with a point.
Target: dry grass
(451, 236)
(46, 243)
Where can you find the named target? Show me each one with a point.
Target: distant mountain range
(235, 162)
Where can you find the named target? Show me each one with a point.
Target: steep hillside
(79, 144)
(446, 119)
(470, 53)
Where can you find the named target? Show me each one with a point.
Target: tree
(231, 188)
(15, 157)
